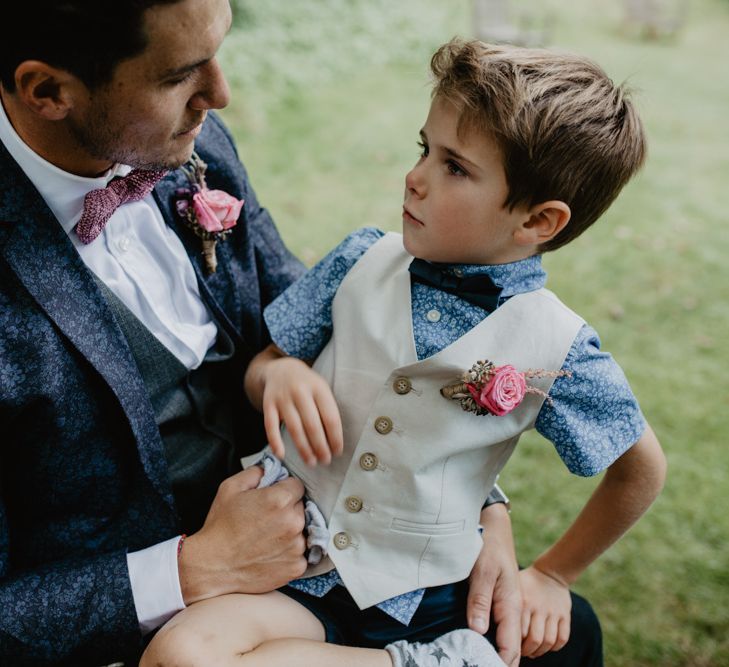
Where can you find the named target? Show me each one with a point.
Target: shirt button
(342, 540)
(353, 504)
(402, 385)
(124, 243)
(433, 315)
(368, 461)
(458, 273)
(383, 425)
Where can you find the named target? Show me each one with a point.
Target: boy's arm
(626, 491)
(287, 390)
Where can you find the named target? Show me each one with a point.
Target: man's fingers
(294, 490)
(478, 605)
(247, 479)
(508, 636)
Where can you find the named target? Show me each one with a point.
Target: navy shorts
(442, 609)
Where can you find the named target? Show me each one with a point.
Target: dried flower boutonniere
(211, 214)
(487, 389)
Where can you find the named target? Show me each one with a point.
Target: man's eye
(423, 149)
(181, 79)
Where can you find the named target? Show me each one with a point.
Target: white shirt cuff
(155, 584)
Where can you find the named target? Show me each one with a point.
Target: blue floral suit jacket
(83, 477)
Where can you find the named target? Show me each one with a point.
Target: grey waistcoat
(194, 420)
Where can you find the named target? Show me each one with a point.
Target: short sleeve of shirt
(300, 319)
(593, 417)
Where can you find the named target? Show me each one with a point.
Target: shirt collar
(62, 191)
(525, 275)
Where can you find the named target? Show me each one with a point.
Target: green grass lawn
(328, 97)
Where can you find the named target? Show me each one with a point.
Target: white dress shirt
(145, 264)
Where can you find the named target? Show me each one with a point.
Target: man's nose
(215, 92)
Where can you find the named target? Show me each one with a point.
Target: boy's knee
(180, 646)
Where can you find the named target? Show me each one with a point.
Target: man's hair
(565, 130)
(88, 38)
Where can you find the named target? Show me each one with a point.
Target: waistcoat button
(402, 385)
(368, 461)
(433, 315)
(383, 425)
(341, 540)
(353, 504)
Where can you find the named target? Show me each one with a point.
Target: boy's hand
(546, 608)
(300, 398)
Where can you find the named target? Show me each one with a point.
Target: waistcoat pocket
(432, 529)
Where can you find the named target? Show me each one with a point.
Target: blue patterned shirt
(593, 417)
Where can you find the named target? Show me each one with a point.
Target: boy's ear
(544, 221)
(46, 90)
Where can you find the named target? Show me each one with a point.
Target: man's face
(150, 113)
(454, 196)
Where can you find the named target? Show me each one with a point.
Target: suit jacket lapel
(216, 289)
(40, 253)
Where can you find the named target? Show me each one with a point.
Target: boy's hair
(565, 130)
(88, 38)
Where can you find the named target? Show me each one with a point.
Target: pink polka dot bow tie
(99, 205)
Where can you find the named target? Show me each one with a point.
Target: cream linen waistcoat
(403, 501)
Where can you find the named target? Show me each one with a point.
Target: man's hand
(252, 540)
(546, 613)
(494, 585)
(289, 391)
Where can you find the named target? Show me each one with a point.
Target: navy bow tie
(480, 290)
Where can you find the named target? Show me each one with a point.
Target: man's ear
(543, 222)
(47, 91)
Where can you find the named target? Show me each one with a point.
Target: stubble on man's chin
(99, 141)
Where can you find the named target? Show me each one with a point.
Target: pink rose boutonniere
(487, 389)
(211, 214)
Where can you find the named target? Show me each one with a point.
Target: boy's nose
(414, 182)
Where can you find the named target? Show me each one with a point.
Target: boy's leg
(219, 630)
(268, 630)
(272, 630)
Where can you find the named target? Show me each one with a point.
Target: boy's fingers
(563, 633)
(329, 412)
(549, 638)
(272, 424)
(295, 428)
(534, 637)
(311, 420)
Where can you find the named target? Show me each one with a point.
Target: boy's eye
(455, 169)
(423, 149)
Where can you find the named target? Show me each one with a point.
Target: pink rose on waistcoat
(504, 391)
(216, 210)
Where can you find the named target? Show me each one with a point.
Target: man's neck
(50, 139)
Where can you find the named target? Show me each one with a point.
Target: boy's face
(454, 195)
